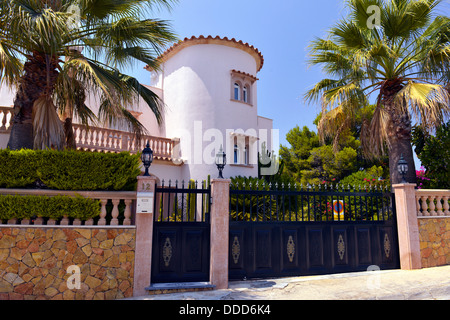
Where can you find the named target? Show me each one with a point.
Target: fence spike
(162, 183)
(170, 183)
(182, 184)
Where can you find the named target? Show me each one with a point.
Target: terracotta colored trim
(187, 42)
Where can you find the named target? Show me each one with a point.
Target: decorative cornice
(187, 42)
(244, 75)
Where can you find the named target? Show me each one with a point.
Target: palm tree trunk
(38, 78)
(400, 139)
(69, 134)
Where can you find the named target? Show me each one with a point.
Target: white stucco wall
(197, 91)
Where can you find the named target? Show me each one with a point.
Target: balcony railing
(106, 140)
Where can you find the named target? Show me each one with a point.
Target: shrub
(26, 207)
(69, 170)
(17, 168)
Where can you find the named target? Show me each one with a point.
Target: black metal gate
(292, 231)
(181, 233)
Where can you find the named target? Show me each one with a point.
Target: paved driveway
(424, 284)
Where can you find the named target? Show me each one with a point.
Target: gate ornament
(341, 247)
(236, 250)
(167, 252)
(291, 249)
(387, 245)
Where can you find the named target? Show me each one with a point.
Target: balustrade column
(432, 206)
(115, 212)
(5, 119)
(424, 206)
(127, 213)
(102, 221)
(446, 206)
(439, 211)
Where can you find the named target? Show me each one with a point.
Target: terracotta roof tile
(213, 40)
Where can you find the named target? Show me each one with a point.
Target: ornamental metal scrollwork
(236, 250)
(291, 249)
(341, 247)
(387, 245)
(167, 252)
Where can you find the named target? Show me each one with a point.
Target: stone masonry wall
(434, 241)
(34, 262)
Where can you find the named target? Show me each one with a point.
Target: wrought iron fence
(267, 202)
(184, 202)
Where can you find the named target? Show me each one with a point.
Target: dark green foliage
(26, 207)
(18, 168)
(434, 153)
(69, 170)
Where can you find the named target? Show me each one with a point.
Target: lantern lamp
(147, 158)
(402, 167)
(221, 161)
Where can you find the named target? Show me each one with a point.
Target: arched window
(236, 154)
(246, 155)
(237, 91)
(245, 94)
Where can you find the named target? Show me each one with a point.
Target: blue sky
(281, 31)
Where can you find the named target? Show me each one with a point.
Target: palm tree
(57, 51)
(402, 61)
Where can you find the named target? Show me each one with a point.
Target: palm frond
(48, 129)
(429, 103)
(375, 134)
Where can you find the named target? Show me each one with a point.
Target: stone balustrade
(101, 139)
(107, 140)
(107, 199)
(433, 203)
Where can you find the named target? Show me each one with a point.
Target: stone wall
(434, 241)
(34, 262)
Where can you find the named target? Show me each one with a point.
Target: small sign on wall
(144, 202)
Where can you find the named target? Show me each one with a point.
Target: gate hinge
(210, 200)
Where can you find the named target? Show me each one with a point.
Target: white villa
(209, 88)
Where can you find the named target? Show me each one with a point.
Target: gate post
(407, 225)
(144, 241)
(220, 225)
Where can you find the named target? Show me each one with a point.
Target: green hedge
(26, 207)
(69, 170)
